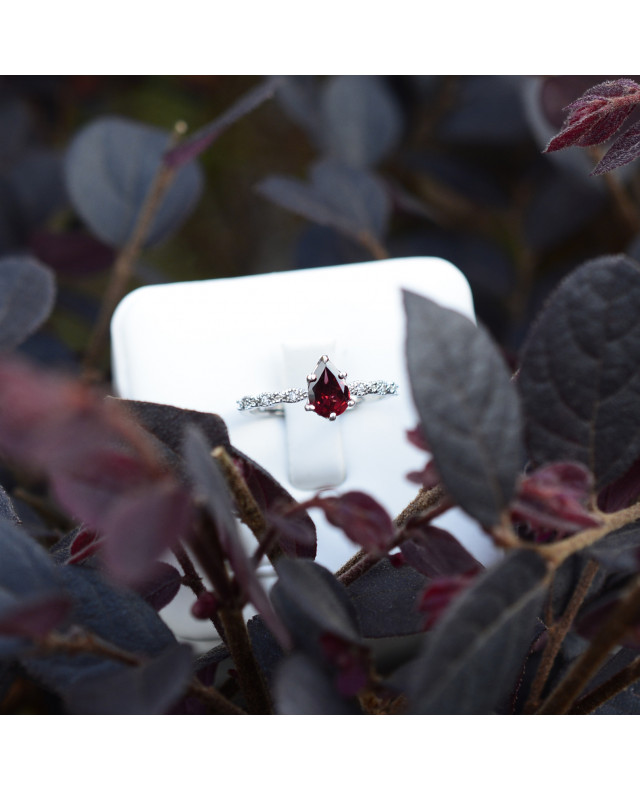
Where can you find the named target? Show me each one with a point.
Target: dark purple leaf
(468, 408)
(102, 467)
(622, 492)
(476, 651)
(168, 423)
(386, 600)
(115, 615)
(33, 617)
(267, 651)
(109, 168)
(37, 187)
(27, 295)
(555, 498)
(151, 688)
(440, 593)
(299, 96)
(72, 253)
(360, 517)
(349, 661)
(209, 484)
(161, 586)
(619, 551)
(323, 246)
(435, 552)
(141, 527)
(361, 119)
(597, 114)
(487, 111)
(294, 527)
(311, 602)
(352, 201)
(25, 567)
(7, 510)
(580, 371)
(198, 142)
(627, 702)
(304, 687)
(624, 150)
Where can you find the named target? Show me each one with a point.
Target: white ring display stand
(203, 345)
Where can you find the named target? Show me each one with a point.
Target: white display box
(203, 345)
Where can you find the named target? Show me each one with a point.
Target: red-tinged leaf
(36, 616)
(161, 585)
(295, 529)
(350, 662)
(202, 139)
(85, 544)
(104, 470)
(167, 424)
(141, 526)
(416, 437)
(440, 593)
(597, 114)
(624, 150)
(555, 498)
(434, 552)
(211, 489)
(427, 477)
(622, 492)
(360, 517)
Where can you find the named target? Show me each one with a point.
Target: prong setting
(342, 374)
(332, 416)
(309, 407)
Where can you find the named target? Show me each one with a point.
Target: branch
(619, 682)
(248, 509)
(124, 264)
(622, 617)
(89, 643)
(556, 634)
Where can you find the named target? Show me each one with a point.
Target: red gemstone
(329, 393)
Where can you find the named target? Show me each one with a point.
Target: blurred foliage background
(458, 157)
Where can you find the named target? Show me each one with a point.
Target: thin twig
(429, 503)
(88, 643)
(619, 682)
(557, 553)
(193, 581)
(376, 248)
(124, 264)
(248, 509)
(205, 544)
(566, 692)
(556, 634)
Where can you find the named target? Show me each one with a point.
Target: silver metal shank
(273, 401)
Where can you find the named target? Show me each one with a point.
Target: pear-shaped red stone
(328, 393)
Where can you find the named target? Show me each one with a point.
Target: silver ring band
(325, 375)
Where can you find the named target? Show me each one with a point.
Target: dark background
(464, 172)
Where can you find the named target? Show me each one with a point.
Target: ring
(327, 393)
